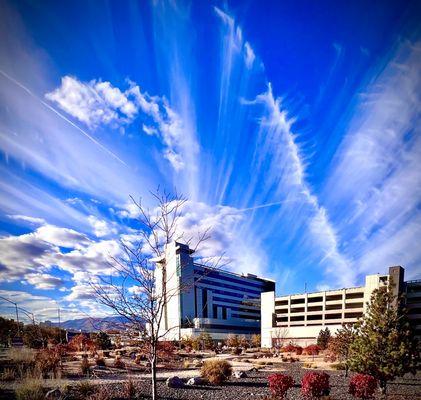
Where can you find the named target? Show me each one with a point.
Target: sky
(292, 128)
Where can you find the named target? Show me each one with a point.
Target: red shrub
(362, 386)
(298, 350)
(166, 351)
(315, 384)
(289, 348)
(279, 384)
(312, 350)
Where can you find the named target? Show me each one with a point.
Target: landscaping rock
(174, 382)
(53, 394)
(240, 374)
(196, 381)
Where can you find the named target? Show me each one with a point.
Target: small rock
(253, 370)
(240, 374)
(197, 380)
(174, 382)
(53, 394)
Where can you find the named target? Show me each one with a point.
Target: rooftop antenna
(305, 287)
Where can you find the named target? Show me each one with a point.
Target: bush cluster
(279, 384)
(315, 384)
(312, 350)
(216, 371)
(362, 386)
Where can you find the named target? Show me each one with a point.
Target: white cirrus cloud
(375, 184)
(98, 102)
(94, 102)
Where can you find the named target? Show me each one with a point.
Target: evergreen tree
(384, 346)
(102, 340)
(323, 338)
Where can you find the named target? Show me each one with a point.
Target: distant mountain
(92, 324)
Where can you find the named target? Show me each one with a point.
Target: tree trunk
(153, 371)
(153, 376)
(382, 385)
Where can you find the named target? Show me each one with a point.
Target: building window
(178, 265)
(314, 299)
(358, 295)
(224, 313)
(334, 297)
(333, 307)
(205, 303)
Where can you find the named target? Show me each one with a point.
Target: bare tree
(132, 291)
(279, 335)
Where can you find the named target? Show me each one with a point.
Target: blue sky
(293, 128)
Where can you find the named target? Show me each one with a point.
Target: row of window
(318, 317)
(224, 277)
(317, 299)
(227, 286)
(328, 307)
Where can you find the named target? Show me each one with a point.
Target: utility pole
(16, 309)
(59, 320)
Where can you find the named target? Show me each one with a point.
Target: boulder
(197, 380)
(53, 394)
(174, 382)
(240, 374)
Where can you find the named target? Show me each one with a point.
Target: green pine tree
(384, 346)
(323, 338)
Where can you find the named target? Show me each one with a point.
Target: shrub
(362, 386)
(236, 351)
(233, 341)
(312, 350)
(279, 384)
(100, 362)
(289, 348)
(256, 341)
(118, 363)
(8, 374)
(30, 389)
(216, 371)
(315, 384)
(298, 350)
(47, 361)
(166, 350)
(84, 366)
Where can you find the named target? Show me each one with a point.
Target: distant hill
(92, 324)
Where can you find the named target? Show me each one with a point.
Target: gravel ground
(255, 387)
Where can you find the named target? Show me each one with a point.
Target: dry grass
(216, 371)
(29, 389)
(8, 374)
(21, 355)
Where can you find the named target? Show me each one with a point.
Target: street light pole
(16, 309)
